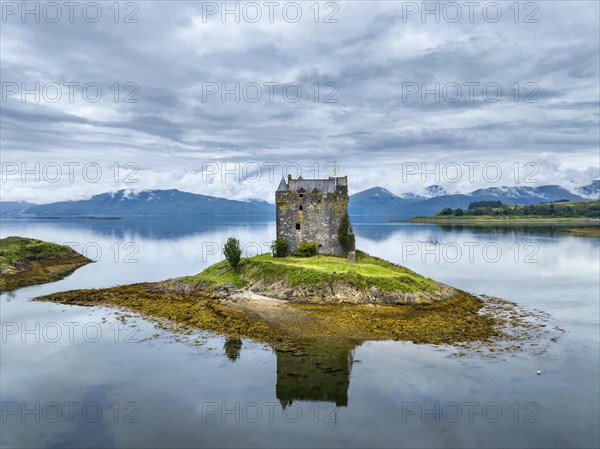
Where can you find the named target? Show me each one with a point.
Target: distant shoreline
(483, 220)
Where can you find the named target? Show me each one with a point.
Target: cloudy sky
(180, 95)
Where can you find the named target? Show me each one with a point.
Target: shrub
(306, 249)
(280, 247)
(233, 252)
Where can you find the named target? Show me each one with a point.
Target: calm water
(79, 377)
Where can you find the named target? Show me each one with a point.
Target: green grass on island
(366, 272)
(25, 261)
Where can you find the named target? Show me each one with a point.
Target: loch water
(75, 376)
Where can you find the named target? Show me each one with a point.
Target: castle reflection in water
(320, 374)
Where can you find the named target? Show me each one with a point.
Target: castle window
(297, 226)
(301, 195)
(300, 207)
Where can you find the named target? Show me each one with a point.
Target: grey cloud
(369, 54)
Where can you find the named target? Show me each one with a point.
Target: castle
(311, 210)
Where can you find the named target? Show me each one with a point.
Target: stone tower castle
(311, 210)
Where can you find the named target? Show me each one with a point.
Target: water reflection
(532, 229)
(170, 381)
(232, 348)
(148, 227)
(322, 374)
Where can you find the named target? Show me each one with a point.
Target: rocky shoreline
(325, 294)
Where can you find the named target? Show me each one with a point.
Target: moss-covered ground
(456, 320)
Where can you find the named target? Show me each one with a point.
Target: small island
(26, 261)
(280, 301)
(313, 286)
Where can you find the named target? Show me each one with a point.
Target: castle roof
(308, 185)
(283, 187)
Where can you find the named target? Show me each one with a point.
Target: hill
(14, 207)
(326, 279)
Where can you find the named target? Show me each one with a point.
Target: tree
(346, 236)
(459, 212)
(233, 252)
(446, 211)
(485, 204)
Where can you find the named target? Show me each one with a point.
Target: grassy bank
(509, 219)
(25, 261)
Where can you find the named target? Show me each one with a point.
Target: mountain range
(148, 202)
(379, 201)
(375, 201)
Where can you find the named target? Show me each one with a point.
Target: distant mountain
(149, 202)
(526, 195)
(591, 191)
(8, 207)
(265, 205)
(434, 191)
(379, 201)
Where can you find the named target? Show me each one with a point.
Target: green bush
(233, 252)
(306, 249)
(280, 247)
(346, 236)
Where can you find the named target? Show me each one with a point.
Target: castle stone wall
(318, 214)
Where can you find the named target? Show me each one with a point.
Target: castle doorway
(320, 249)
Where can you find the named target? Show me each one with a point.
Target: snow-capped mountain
(524, 195)
(591, 191)
(434, 191)
(379, 201)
